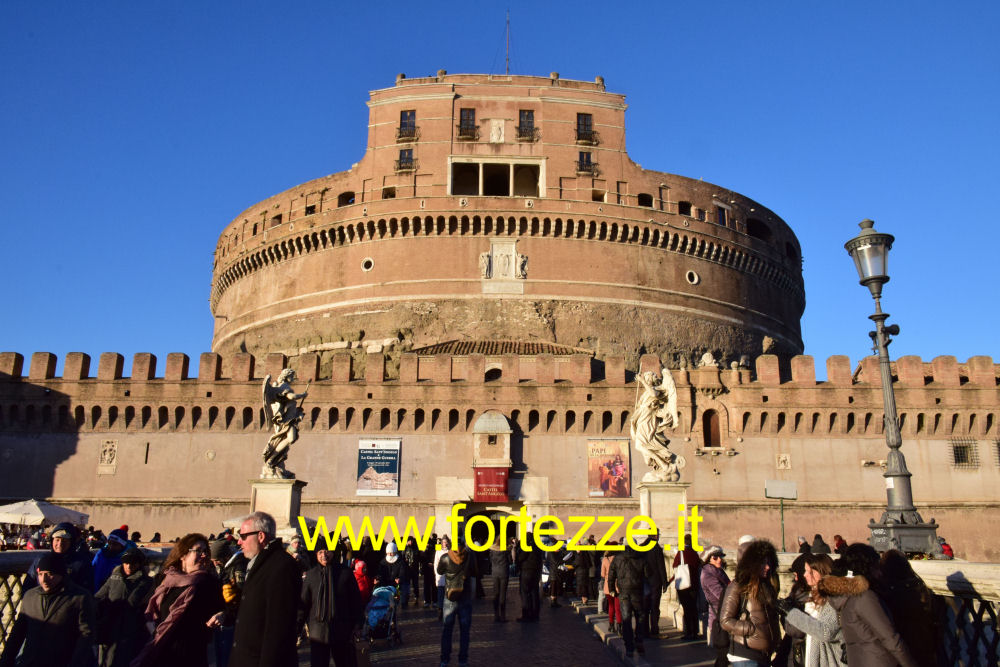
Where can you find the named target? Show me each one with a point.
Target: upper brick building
(507, 208)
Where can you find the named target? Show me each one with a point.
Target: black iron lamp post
(901, 526)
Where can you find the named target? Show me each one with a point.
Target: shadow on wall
(39, 428)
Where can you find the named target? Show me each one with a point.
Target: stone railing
(13, 571)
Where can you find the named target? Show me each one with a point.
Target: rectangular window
(964, 453)
(720, 216)
(388, 193)
(584, 163)
(700, 214)
(405, 161)
(585, 127)
(311, 209)
(526, 125)
(467, 124)
(684, 208)
(407, 130)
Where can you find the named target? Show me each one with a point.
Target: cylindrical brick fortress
(507, 208)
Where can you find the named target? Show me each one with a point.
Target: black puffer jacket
(629, 571)
(871, 639)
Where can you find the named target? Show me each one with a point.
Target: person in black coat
(331, 605)
(266, 627)
(629, 574)
(67, 542)
(529, 562)
(121, 602)
(499, 569)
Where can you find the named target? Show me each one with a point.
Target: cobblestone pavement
(561, 637)
(564, 637)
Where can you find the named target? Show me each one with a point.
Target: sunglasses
(198, 551)
(244, 536)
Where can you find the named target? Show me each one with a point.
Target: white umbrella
(38, 512)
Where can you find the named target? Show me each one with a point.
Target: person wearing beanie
(804, 547)
(121, 603)
(56, 623)
(109, 557)
(67, 544)
(392, 568)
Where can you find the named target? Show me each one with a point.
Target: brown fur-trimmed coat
(871, 639)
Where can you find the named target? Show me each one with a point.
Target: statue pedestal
(659, 501)
(281, 498)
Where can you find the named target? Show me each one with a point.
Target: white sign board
(777, 488)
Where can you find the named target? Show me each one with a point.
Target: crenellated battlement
(943, 372)
(553, 393)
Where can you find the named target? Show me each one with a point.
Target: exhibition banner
(609, 474)
(378, 467)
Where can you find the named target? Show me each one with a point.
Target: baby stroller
(380, 617)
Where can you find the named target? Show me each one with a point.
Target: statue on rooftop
(655, 412)
(284, 412)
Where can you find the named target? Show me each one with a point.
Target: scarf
(325, 594)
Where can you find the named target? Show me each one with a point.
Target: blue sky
(131, 133)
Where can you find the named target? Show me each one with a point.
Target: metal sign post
(782, 490)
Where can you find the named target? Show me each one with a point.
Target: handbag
(455, 593)
(682, 575)
(718, 636)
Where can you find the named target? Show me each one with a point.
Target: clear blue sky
(131, 133)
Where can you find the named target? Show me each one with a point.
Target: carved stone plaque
(496, 131)
(108, 458)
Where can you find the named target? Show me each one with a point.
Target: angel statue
(655, 411)
(284, 412)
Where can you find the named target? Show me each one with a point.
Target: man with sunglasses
(266, 622)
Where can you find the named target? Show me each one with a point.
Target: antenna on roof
(508, 43)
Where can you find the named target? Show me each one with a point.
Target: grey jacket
(871, 639)
(825, 636)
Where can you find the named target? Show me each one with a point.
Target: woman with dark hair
(185, 607)
(912, 607)
(749, 613)
(870, 637)
(824, 645)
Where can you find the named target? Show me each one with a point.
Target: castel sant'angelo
(478, 293)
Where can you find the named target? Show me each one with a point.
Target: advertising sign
(378, 467)
(609, 472)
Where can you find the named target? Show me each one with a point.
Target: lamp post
(901, 526)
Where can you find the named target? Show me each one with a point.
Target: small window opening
(597, 195)
(276, 220)
(311, 209)
(645, 199)
(345, 199)
(684, 208)
(388, 193)
(720, 215)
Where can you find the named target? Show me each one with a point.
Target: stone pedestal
(659, 501)
(281, 498)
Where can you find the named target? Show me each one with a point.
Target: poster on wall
(378, 467)
(609, 473)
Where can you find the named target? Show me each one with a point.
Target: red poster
(491, 484)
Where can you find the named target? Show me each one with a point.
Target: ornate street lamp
(901, 526)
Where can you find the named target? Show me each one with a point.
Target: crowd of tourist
(250, 600)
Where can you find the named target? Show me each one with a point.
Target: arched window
(345, 198)
(645, 199)
(493, 374)
(710, 429)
